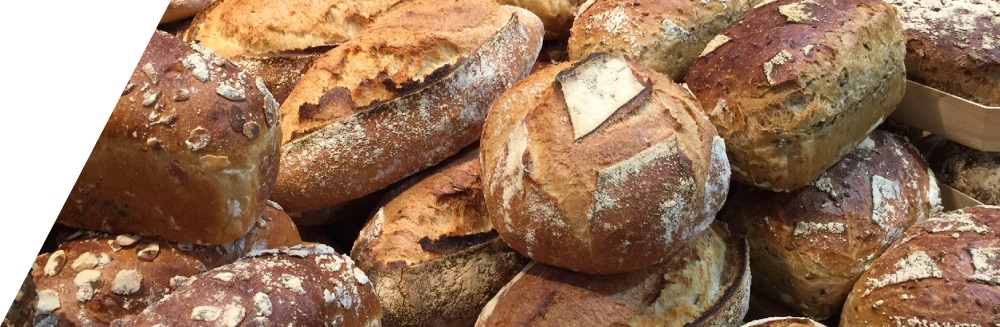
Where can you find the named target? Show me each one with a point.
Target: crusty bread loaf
(798, 84)
(954, 46)
(98, 278)
(784, 322)
(181, 9)
(299, 286)
(665, 36)
(556, 15)
(810, 245)
(431, 250)
(600, 166)
(706, 283)
(945, 271)
(190, 153)
(970, 171)
(407, 94)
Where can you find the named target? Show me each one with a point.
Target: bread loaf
(798, 84)
(810, 246)
(407, 94)
(299, 286)
(431, 251)
(954, 46)
(706, 283)
(181, 9)
(784, 322)
(21, 311)
(600, 166)
(556, 15)
(965, 169)
(945, 271)
(189, 154)
(665, 36)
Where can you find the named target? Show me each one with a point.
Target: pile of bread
(533, 163)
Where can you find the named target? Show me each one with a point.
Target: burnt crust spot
(451, 244)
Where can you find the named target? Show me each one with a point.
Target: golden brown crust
(556, 15)
(686, 290)
(665, 36)
(811, 245)
(600, 188)
(400, 104)
(943, 272)
(254, 27)
(307, 285)
(968, 170)
(791, 95)
(954, 46)
(431, 250)
(190, 151)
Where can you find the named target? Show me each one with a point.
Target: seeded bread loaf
(945, 271)
(665, 36)
(407, 94)
(954, 46)
(601, 166)
(556, 15)
(308, 285)
(973, 172)
(706, 283)
(798, 84)
(431, 251)
(189, 154)
(810, 245)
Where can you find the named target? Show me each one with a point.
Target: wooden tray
(949, 116)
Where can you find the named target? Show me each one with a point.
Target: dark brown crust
(374, 146)
(541, 183)
(784, 322)
(176, 155)
(22, 309)
(943, 272)
(304, 286)
(954, 46)
(544, 295)
(810, 268)
(970, 171)
(791, 96)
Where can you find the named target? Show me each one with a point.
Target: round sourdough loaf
(189, 154)
(305, 285)
(811, 245)
(601, 166)
(954, 46)
(705, 283)
(665, 36)
(407, 94)
(970, 171)
(431, 251)
(278, 41)
(798, 84)
(945, 271)
(784, 322)
(556, 15)
(181, 9)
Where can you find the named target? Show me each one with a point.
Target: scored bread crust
(704, 284)
(556, 15)
(810, 246)
(189, 154)
(305, 285)
(954, 46)
(665, 36)
(431, 250)
(797, 84)
(259, 27)
(616, 195)
(408, 94)
(945, 271)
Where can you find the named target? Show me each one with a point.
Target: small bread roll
(945, 271)
(706, 283)
(407, 94)
(189, 154)
(810, 246)
(305, 285)
(665, 36)
(797, 84)
(601, 166)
